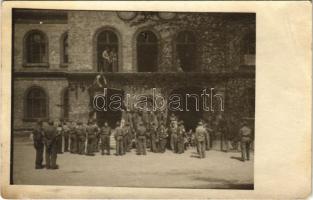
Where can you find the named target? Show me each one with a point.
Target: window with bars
(36, 104)
(36, 48)
(186, 51)
(147, 52)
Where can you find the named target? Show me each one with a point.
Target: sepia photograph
(133, 99)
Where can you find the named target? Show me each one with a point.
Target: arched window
(147, 52)
(36, 104)
(65, 104)
(36, 47)
(107, 51)
(186, 51)
(64, 50)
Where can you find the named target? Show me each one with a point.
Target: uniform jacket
(118, 133)
(200, 133)
(38, 137)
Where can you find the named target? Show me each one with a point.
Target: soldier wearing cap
(73, 138)
(173, 132)
(38, 144)
(181, 137)
(50, 134)
(141, 139)
(66, 134)
(81, 137)
(163, 135)
(154, 135)
(119, 139)
(127, 133)
(245, 134)
(59, 138)
(200, 137)
(91, 132)
(105, 133)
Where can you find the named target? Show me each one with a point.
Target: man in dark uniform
(91, 131)
(141, 139)
(73, 137)
(66, 134)
(245, 134)
(59, 138)
(163, 135)
(127, 132)
(97, 138)
(154, 135)
(119, 139)
(38, 144)
(223, 131)
(81, 137)
(181, 137)
(173, 132)
(200, 137)
(105, 133)
(50, 134)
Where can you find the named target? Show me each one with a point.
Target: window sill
(33, 119)
(43, 65)
(64, 65)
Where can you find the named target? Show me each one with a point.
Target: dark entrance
(111, 116)
(147, 52)
(191, 113)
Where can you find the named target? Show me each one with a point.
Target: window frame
(25, 50)
(63, 64)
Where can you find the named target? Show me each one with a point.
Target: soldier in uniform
(66, 133)
(245, 134)
(59, 138)
(208, 134)
(181, 138)
(119, 139)
(50, 134)
(105, 133)
(81, 137)
(222, 129)
(173, 132)
(73, 137)
(200, 136)
(141, 139)
(38, 144)
(91, 131)
(163, 135)
(155, 142)
(127, 133)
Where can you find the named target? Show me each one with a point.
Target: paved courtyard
(217, 170)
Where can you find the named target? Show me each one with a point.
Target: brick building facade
(57, 55)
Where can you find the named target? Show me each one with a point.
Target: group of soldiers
(157, 134)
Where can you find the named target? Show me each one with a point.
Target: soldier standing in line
(50, 134)
(73, 135)
(127, 132)
(66, 132)
(119, 139)
(105, 133)
(81, 137)
(181, 138)
(173, 132)
(38, 144)
(141, 139)
(208, 134)
(59, 138)
(154, 138)
(245, 134)
(91, 132)
(97, 139)
(200, 136)
(163, 135)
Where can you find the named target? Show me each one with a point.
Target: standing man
(154, 138)
(245, 134)
(91, 132)
(162, 137)
(106, 61)
(222, 129)
(119, 139)
(181, 138)
(173, 131)
(66, 133)
(200, 137)
(141, 137)
(81, 137)
(127, 132)
(208, 134)
(73, 135)
(50, 134)
(59, 138)
(38, 144)
(105, 133)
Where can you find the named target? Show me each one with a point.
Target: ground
(217, 170)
